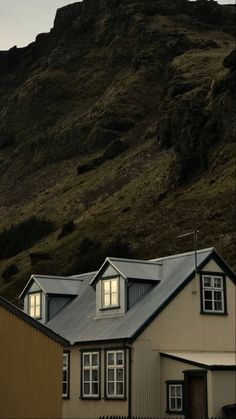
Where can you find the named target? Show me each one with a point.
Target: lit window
(175, 397)
(115, 374)
(110, 293)
(213, 294)
(35, 305)
(90, 374)
(65, 377)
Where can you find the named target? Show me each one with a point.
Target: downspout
(130, 382)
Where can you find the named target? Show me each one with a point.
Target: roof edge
(32, 322)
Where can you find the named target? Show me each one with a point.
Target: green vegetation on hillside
(121, 119)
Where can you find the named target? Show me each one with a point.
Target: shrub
(23, 235)
(67, 229)
(9, 272)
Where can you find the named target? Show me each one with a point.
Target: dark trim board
(32, 322)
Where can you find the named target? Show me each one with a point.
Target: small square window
(110, 293)
(175, 396)
(34, 305)
(213, 294)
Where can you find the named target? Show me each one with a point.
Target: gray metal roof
(133, 269)
(226, 359)
(59, 285)
(77, 322)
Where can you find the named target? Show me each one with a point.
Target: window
(35, 305)
(65, 377)
(110, 293)
(90, 374)
(213, 293)
(174, 396)
(115, 374)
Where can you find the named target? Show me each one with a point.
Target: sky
(22, 20)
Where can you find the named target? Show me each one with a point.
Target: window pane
(37, 311)
(94, 375)
(172, 391)
(178, 391)
(106, 287)
(107, 300)
(86, 388)
(119, 389)
(86, 359)
(37, 299)
(207, 281)
(172, 404)
(64, 389)
(65, 360)
(94, 389)
(119, 374)
(218, 295)
(218, 306)
(119, 358)
(208, 295)
(218, 282)
(86, 375)
(64, 378)
(110, 358)
(208, 305)
(110, 374)
(114, 285)
(114, 299)
(111, 389)
(179, 403)
(95, 359)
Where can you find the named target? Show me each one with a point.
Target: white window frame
(90, 369)
(110, 293)
(115, 367)
(213, 289)
(175, 397)
(35, 303)
(66, 369)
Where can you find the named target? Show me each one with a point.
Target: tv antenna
(195, 236)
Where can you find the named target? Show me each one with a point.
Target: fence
(172, 417)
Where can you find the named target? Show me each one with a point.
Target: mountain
(117, 135)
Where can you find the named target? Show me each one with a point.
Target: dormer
(120, 283)
(44, 296)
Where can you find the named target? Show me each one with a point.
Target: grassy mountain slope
(152, 74)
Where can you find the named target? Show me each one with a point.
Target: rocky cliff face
(139, 96)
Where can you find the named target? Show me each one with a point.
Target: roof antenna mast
(195, 235)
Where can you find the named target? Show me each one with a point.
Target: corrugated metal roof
(59, 285)
(227, 359)
(137, 269)
(134, 269)
(77, 322)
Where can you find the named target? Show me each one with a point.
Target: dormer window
(110, 293)
(34, 309)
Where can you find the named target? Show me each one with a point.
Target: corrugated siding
(135, 291)
(55, 304)
(30, 371)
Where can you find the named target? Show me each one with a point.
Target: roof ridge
(178, 255)
(60, 278)
(148, 262)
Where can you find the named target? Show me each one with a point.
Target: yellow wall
(180, 326)
(76, 407)
(223, 390)
(30, 371)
